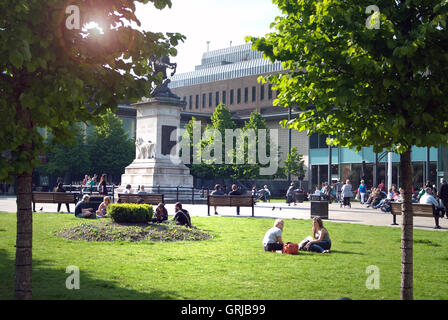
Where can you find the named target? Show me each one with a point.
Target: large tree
(55, 71)
(366, 75)
(111, 149)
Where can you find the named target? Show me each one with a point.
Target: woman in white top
(346, 193)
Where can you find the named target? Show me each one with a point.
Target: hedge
(129, 212)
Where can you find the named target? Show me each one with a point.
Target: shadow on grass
(50, 284)
(345, 252)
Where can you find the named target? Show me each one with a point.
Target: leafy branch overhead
(384, 87)
(61, 76)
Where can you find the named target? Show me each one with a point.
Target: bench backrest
(420, 210)
(231, 201)
(151, 198)
(53, 197)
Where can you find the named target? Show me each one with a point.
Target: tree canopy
(384, 87)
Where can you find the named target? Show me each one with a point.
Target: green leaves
(366, 87)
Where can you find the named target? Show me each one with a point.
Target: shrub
(129, 212)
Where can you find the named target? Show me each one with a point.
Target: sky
(217, 21)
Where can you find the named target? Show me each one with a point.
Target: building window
(203, 101)
(238, 98)
(262, 92)
(217, 98)
(224, 97)
(190, 105)
(185, 104)
(210, 99)
(318, 141)
(270, 92)
(231, 96)
(254, 94)
(197, 102)
(246, 95)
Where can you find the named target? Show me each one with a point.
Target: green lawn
(232, 265)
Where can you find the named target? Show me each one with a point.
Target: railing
(178, 193)
(90, 190)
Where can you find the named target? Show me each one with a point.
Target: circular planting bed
(112, 231)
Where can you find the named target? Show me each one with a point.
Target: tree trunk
(23, 276)
(407, 228)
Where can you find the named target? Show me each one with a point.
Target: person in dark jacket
(443, 195)
(182, 217)
(235, 192)
(60, 188)
(102, 187)
(218, 192)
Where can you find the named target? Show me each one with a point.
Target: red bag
(290, 248)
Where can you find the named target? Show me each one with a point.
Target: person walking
(346, 193)
(443, 195)
(290, 195)
(362, 191)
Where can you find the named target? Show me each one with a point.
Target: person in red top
(381, 186)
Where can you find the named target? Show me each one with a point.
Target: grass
(232, 265)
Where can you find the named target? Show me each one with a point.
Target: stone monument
(157, 118)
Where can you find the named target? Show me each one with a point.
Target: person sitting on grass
(102, 209)
(182, 217)
(161, 214)
(320, 241)
(218, 192)
(272, 240)
(82, 211)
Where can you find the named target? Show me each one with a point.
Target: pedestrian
(346, 193)
(102, 186)
(443, 195)
(362, 191)
(290, 194)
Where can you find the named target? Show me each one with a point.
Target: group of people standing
(89, 183)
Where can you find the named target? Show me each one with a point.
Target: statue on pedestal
(160, 66)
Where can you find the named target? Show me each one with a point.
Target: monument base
(156, 172)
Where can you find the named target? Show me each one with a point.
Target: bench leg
(208, 210)
(34, 206)
(394, 220)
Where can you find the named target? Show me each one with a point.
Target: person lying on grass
(272, 240)
(82, 211)
(320, 242)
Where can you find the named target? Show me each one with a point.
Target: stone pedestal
(157, 118)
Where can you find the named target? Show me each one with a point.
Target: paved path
(356, 214)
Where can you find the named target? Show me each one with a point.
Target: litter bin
(300, 197)
(319, 206)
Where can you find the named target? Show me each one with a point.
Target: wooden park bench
(230, 201)
(419, 210)
(52, 197)
(150, 198)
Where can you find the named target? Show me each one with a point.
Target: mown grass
(232, 265)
